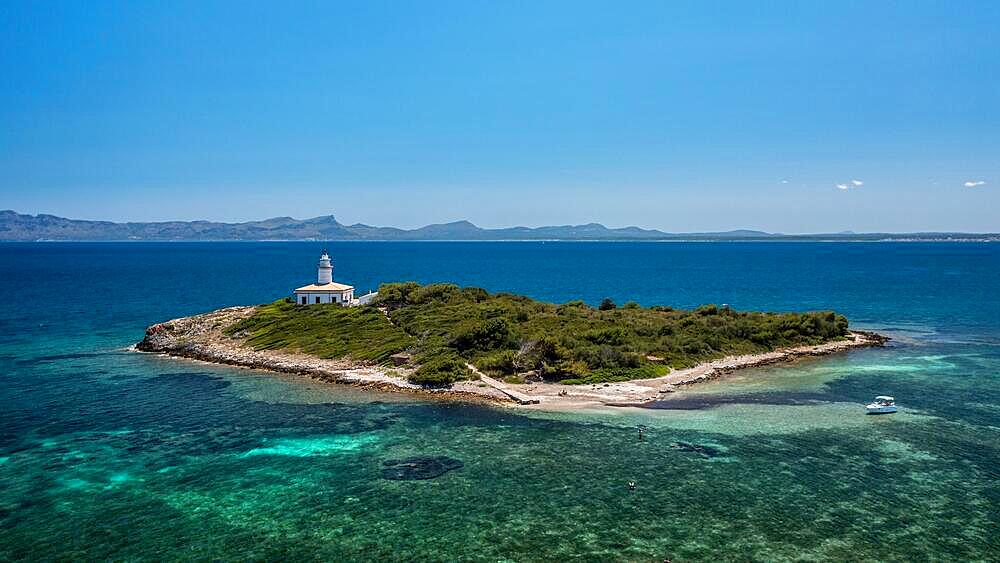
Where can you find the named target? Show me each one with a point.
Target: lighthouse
(325, 290)
(325, 275)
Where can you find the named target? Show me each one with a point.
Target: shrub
(607, 304)
(433, 292)
(501, 361)
(476, 294)
(442, 370)
(610, 335)
(573, 308)
(597, 357)
(706, 310)
(480, 335)
(540, 354)
(645, 371)
(394, 295)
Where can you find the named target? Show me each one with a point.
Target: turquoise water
(109, 454)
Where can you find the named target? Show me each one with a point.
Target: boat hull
(880, 409)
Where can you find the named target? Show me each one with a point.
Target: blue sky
(674, 115)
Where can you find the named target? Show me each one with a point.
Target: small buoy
(631, 485)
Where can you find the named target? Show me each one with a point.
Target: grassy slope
(503, 334)
(325, 331)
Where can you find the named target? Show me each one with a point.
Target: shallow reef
(419, 467)
(702, 450)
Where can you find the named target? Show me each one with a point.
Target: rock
(668, 388)
(419, 467)
(400, 359)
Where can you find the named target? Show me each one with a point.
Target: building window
(303, 299)
(317, 298)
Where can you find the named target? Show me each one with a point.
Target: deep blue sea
(109, 454)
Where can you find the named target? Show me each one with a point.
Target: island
(467, 342)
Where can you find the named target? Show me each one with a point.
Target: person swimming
(631, 485)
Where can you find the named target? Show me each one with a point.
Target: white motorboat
(882, 404)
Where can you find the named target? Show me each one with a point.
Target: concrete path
(516, 395)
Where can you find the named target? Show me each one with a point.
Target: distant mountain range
(20, 227)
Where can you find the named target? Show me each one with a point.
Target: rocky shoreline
(203, 338)
(718, 368)
(638, 392)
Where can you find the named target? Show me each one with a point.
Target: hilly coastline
(19, 227)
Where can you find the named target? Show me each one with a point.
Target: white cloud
(852, 185)
(974, 183)
(784, 181)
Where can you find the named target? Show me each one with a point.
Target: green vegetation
(325, 331)
(508, 336)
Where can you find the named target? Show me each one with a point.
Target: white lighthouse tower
(325, 290)
(325, 270)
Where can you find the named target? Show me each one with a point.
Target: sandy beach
(202, 337)
(638, 391)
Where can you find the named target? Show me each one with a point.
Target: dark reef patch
(419, 467)
(695, 401)
(61, 357)
(703, 451)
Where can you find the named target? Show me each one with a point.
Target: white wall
(323, 298)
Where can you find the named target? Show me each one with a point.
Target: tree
(480, 335)
(607, 304)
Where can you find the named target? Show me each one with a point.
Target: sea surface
(109, 454)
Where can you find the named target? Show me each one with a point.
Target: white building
(325, 290)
